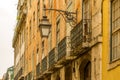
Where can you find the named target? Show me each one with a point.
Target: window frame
(112, 32)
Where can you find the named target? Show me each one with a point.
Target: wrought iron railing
(38, 69)
(62, 47)
(44, 64)
(51, 57)
(77, 36)
(81, 33)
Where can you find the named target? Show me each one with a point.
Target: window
(37, 53)
(30, 32)
(33, 25)
(115, 30)
(43, 52)
(58, 32)
(38, 12)
(34, 17)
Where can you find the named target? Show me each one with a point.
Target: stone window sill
(113, 64)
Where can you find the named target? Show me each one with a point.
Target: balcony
(44, 64)
(52, 57)
(81, 36)
(38, 70)
(64, 49)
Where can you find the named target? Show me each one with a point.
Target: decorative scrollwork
(69, 17)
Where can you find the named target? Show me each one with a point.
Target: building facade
(19, 41)
(111, 40)
(72, 50)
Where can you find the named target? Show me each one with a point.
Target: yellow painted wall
(109, 71)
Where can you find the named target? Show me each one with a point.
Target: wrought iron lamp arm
(70, 17)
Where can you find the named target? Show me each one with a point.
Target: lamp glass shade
(45, 30)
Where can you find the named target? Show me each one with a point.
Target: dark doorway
(87, 71)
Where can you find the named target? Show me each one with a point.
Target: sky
(8, 11)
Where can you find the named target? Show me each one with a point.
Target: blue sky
(7, 25)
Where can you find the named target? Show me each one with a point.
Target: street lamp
(70, 17)
(45, 26)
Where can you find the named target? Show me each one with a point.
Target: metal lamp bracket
(69, 17)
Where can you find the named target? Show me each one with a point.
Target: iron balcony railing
(38, 69)
(52, 57)
(81, 34)
(44, 64)
(63, 47)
